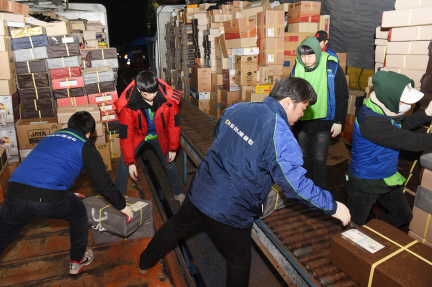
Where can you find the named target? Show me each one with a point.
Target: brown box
(303, 27)
(252, 59)
(275, 70)
(352, 101)
(14, 7)
(246, 74)
(216, 81)
(408, 48)
(426, 179)
(8, 87)
(65, 112)
(105, 152)
(292, 41)
(271, 51)
(225, 50)
(342, 60)
(401, 255)
(274, 79)
(228, 79)
(241, 43)
(89, 35)
(114, 142)
(31, 131)
(5, 43)
(203, 105)
(263, 74)
(304, 11)
(324, 24)
(230, 98)
(255, 97)
(253, 8)
(215, 96)
(201, 79)
(215, 110)
(220, 18)
(243, 90)
(420, 223)
(271, 24)
(419, 238)
(57, 28)
(240, 28)
(7, 65)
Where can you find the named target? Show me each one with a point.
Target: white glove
(133, 172)
(128, 212)
(171, 156)
(428, 110)
(336, 130)
(82, 196)
(342, 213)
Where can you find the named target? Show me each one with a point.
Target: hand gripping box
(103, 217)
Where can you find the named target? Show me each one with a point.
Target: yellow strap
(277, 196)
(67, 50)
(136, 207)
(310, 5)
(409, 177)
(97, 74)
(68, 92)
(70, 73)
(31, 42)
(31, 51)
(40, 116)
(103, 56)
(37, 95)
(98, 87)
(28, 66)
(35, 105)
(63, 62)
(34, 82)
(426, 228)
(100, 211)
(105, 62)
(67, 82)
(404, 62)
(106, 123)
(409, 47)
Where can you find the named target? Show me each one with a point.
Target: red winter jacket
(133, 122)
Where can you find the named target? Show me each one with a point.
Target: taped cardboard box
(292, 42)
(7, 65)
(391, 250)
(420, 224)
(114, 142)
(303, 27)
(263, 74)
(414, 33)
(271, 51)
(230, 98)
(105, 152)
(255, 97)
(8, 87)
(324, 24)
(9, 139)
(241, 43)
(12, 108)
(408, 17)
(5, 44)
(271, 24)
(203, 105)
(253, 8)
(410, 62)
(58, 28)
(246, 74)
(419, 238)
(201, 79)
(275, 70)
(241, 28)
(304, 11)
(408, 48)
(216, 81)
(65, 112)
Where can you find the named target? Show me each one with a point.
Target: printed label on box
(270, 32)
(137, 205)
(110, 117)
(255, 5)
(270, 58)
(67, 40)
(85, 109)
(68, 83)
(107, 107)
(36, 123)
(363, 240)
(103, 98)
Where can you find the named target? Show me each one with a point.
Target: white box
(8, 139)
(9, 108)
(409, 17)
(381, 42)
(245, 51)
(380, 33)
(24, 153)
(408, 48)
(414, 33)
(409, 62)
(408, 4)
(380, 52)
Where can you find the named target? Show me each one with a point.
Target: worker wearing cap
(381, 129)
(322, 38)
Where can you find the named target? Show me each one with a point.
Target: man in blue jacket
(253, 148)
(40, 186)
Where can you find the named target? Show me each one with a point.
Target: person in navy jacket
(41, 186)
(254, 147)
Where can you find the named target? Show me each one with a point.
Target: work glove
(342, 213)
(336, 130)
(82, 196)
(133, 172)
(128, 212)
(171, 156)
(428, 110)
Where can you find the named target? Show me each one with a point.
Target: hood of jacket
(312, 43)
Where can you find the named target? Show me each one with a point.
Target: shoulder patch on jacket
(123, 131)
(177, 120)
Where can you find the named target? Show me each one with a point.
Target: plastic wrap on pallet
(86, 54)
(33, 94)
(98, 75)
(65, 72)
(67, 62)
(103, 63)
(35, 105)
(33, 80)
(24, 55)
(29, 42)
(68, 93)
(27, 32)
(64, 39)
(101, 54)
(30, 67)
(85, 64)
(98, 88)
(38, 114)
(63, 51)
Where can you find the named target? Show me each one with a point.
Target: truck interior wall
(352, 28)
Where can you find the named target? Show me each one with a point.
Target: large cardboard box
(275, 70)
(105, 152)
(12, 17)
(8, 138)
(420, 223)
(57, 28)
(114, 142)
(304, 11)
(215, 96)
(243, 90)
(5, 44)
(408, 4)
(31, 131)
(324, 24)
(263, 75)
(381, 33)
(203, 105)
(380, 52)
(414, 33)
(255, 97)
(14, 7)
(230, 98)
(201, 79)
(271, 51)
(293, 40)
(303, 27)
(408, 17)
(252, 59)
(245, 51)
(342, 60)
(89, 35)
(419, 238)
(271, 24)
(241, 43)
(408, 48)
(11, 108)
(252, 8)
(215, 110)
(65, 112)
(216, 81)
(240, 28)
(246, 74)
(229, 80)
(415, 75)
(400, 255)
(410, 62)
(7, 64)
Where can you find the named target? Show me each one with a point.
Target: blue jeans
(360, 203)
(170, 168)
(314, 147)
(15, 213)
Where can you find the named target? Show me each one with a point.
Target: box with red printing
(103, 97)
(65, 72)
(74, 82)
(107, 106)
(304, 11)
(72, 101)
(109, 116)
(240, 28)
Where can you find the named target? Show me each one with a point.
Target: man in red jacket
(149, 112)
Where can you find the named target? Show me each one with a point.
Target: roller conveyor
(295, 239)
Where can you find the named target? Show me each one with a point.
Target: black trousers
(233, 243)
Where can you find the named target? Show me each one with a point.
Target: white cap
(411, 95)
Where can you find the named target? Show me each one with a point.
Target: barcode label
(363, 240)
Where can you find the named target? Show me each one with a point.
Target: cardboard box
(12, 17)
(243, 90)
(89, 35)
(409, 17)
(245, 51)
(230, 98)
(114, 142)
(415, 75)
(11, 112)
(65, 112)
(215, 109)
(5, 44)
(201, 79)
(24, 153)
(419, 238)
(303, 27)
(228, 77)
(203, 105)
(381, 33)
(262, 89)
(342, 60)
(220, 18)
(8, 138)
(263, 75)
(215, 96)
(246, 74)
(324, 24)
(274, 79)
(14, 7)
(7, 64)
(275, 70)
(354, 100)
(31, 131)
(252, 59)
(410, 62)
(414, 33)
(271, 51)
(241, 43)
(408, 4)
(199, 96)
(216, 81)
(356, 262)
(380, 52)
(304, 11)
(381, 42)
(253, 8)
(271, 24)
(240, 28)
(255, 97)
(57, 28)
(105, 152)
(408, 48)
(292, 41)
(420, 224)
(288, 65)
(221, 63)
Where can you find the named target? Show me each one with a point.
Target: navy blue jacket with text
(254, 148)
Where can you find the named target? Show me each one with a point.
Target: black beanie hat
(389, 87)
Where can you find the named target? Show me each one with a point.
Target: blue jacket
(370, 160)
(331, 53)
(253, 148)
(55, 162)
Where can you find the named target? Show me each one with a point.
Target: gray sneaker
(76, 267)
(180, 197)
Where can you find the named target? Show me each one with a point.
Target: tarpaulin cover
(30, 54)
(69, 50)
(85, 64)
(104, 63)
(100, 88)
(63, 62)
(29, 42)
(32, 94)
(30, 67)
(98, 75)
(35, 105)
(86, 54)
(64, 39)
(100, 54)
(144, 231)
(47, 113)
(68, 93)
(65, 73)
(26, 32)
(34, 80)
